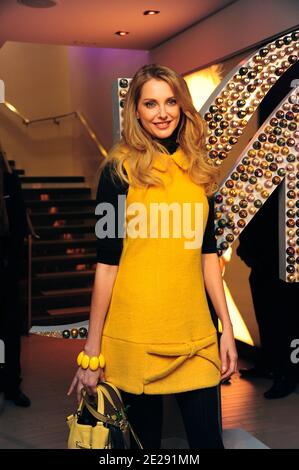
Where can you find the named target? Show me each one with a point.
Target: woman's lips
(162, 125)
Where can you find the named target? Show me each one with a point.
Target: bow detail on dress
(182, 352)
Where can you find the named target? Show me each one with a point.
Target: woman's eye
(172, 101)
(150, 104)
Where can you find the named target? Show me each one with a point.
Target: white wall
(92, 72)
(46, 80)
(36, 81)
(240, 25)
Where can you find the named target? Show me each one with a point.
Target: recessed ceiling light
(151, 12)
(122, 33)
(38, 3)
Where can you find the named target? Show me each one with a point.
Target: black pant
(200, 413)
(275, 308)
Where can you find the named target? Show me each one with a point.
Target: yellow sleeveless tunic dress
(158, 336)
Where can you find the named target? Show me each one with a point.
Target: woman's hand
(228, 354)
(88, 379)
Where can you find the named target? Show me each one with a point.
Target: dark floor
(48, 367)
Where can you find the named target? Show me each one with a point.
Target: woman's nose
(162, 112)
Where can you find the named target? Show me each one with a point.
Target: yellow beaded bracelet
(93, 362)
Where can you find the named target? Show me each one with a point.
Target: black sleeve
(109, 249)
(209, 244)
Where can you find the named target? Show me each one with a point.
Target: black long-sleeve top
(109, 249)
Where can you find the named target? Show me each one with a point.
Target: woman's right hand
(88, 379)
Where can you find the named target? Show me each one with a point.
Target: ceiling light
(38, 3)
(122, 33)
(151, 12)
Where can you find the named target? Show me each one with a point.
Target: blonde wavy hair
(137, 146)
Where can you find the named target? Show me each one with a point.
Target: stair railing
(56, 119)
(31, 235)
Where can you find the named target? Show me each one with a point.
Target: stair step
(52, 179)
(62, 317)
(71, 237)
(69, 311)
(66, 292)
(64, 214)
(55, 193)
(67, 279)
(55, 247)
(67, 243)
(64, 275)
(56, 263)
(37, 219)
(46, 186)
(55, 232)
(41, 303)
(38, 206)
(61, 258)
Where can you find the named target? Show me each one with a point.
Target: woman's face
(157, 109)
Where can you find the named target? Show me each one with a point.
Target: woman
(149, 314)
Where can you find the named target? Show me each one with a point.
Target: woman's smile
(162, 125)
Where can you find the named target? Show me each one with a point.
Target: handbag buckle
(123, 424)
(79, 445)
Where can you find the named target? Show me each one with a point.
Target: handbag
(101, 422)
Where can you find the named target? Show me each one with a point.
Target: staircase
(64, 258)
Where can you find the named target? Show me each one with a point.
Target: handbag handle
(95, 413)
(135, 436)
(104, 418)
(107, 395)
(101, 384)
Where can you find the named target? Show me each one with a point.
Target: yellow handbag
(101, 422)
